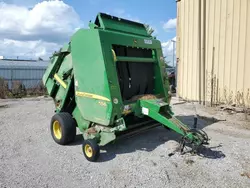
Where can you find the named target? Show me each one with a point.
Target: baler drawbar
(109, 82)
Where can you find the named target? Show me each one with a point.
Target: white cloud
(170, 24)
(48, 23)
(27, 49)
(167, 48)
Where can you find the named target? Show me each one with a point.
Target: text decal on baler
(146, 41)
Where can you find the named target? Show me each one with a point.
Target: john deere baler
(108, 81)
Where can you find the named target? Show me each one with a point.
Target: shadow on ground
(151, 139)
(202, 121)
(207, 152)
(146, 141)
(78, 140)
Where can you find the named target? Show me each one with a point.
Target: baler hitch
(200, 138)
(160, 111)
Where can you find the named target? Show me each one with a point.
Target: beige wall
(213, 50)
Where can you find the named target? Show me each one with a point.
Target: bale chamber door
(135, 78)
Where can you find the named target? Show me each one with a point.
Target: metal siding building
(213, 51)
(28, 72)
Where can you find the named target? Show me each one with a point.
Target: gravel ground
(30, 158)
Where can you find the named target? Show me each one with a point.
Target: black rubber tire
(68, 128)
(95, 150)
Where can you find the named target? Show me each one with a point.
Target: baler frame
(104, 110)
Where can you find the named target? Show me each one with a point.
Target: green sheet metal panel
(94, 63)
(91, 83)
(108, 22)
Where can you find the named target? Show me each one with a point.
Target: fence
(29, 77)
(19, 81)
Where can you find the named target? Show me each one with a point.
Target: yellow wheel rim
(57, 130)
(88, 150)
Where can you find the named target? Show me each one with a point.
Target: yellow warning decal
(114, 55)
(61, 82)
(90, 95)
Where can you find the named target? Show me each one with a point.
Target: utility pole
(175, 67)
(173, 41)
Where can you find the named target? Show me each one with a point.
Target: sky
(37, 28)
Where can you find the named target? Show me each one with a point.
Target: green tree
(149, 29)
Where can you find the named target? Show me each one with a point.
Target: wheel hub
(57, 130)
(88, 150)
